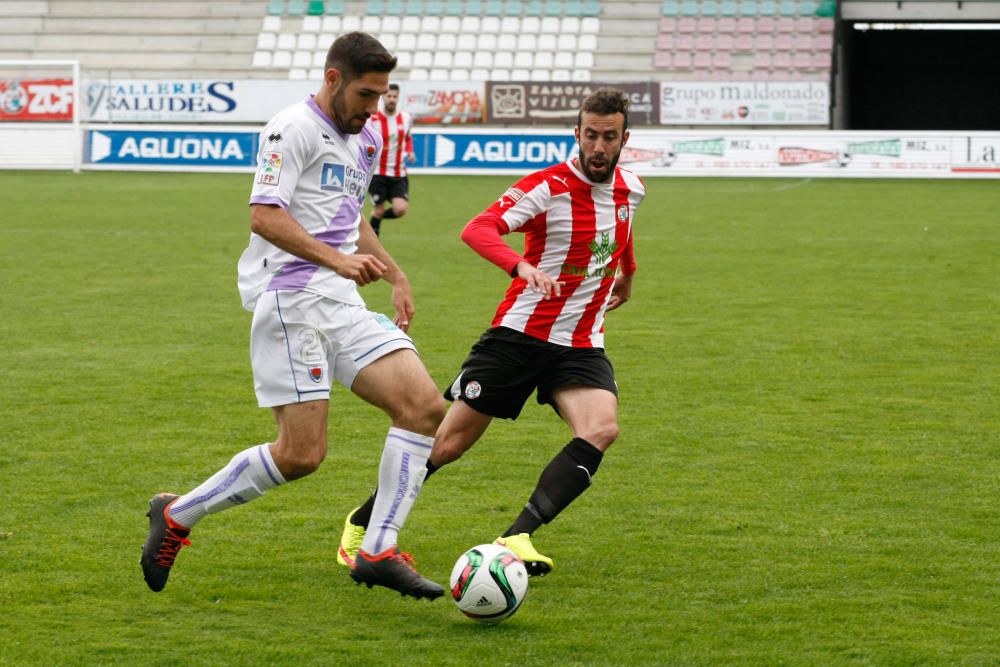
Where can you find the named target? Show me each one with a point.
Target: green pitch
(808, 472)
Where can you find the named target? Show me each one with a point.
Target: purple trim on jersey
(264, 199)
(294, 276)
(402, 484)
(311, 103)
(221, 488)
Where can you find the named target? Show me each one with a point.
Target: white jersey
(320, 175)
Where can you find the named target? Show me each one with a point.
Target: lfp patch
(270, 168)
(473, 389)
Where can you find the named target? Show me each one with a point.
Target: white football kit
(309, 322)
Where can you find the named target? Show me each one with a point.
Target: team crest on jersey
(622, 213)
(473, 390)
(270, 168)
(370, 151)
(316, 374)
(511, 197)
(603, 250)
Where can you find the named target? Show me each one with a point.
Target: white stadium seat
(423, 59)
(267, 41)
(487, 42)
(466, 42)
(581, 75)
(499, 75)
(569, 24)
(371, 24)
(503, 59)
(302, 59)
(585, 60)
(459, 74)
(298, 74)
(438, 75)
(442, 59)
(319, 59)
(590, 25)
(281, 59)
(463, 59)
(520, 74)
(286, 42)
(447, 41)
(587, 43)
(418, 74)
(391, 24)
(271, 24)
(507, 42)
(450, 24)
(470, 25)
(404, 59)
(430, 24)
(530, 25)
(426, 42)
(527, 41)
(311, 24)
(407, 42)
(262, 59)
(550, 24)
(563, 59)
(524, 59)
(316, 74)
(483, 59)
(410, 24)
(561, 75)
(490, 24)
(306, 41)
(479, 75)
(388, 40)
(543, 59)
(350, 23)
(510, 25)
(541, 75)
(566, 42)
(546, 42)
(331, 24)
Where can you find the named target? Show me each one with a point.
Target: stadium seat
(767, 8)
(766, 24)
(546, 42)
(394, 7)
(822, 42)
(281, 59)
(266, 41)
(371, 24)
(563, 60)
(276, 7)
(507, 41)
(388, 41)
(743, 43)
(687, 26)
(746, 25)
(470, 25)
(682, 60)
(334, 7)
(311, 24)
(581, 75)
(426, 41)
(450, 24)
(569, 26)
(588, 42)
(457, 74)
(526, 41)
(550, 25)
(473, 7)
(665, 42)
(442, 59)
(406, 42)
(729, 8)
(591, 8)
(663, 59)
(786, 25)
(271, 24)
(808, 7)
(702, 60)
(482, 59)
(454, 8)
(315, 8)
(722, 60)
(524, 59)
(466, 42)
(763, 41)
(561, 74)
(783, 42)
(296, 7)
(510, 25)
(802, 42)
(319, 59)
(531, 8)
(825, 25)
(479, 75)
(706, 25)
(544, 59)
(724, 42)
(493, 8)
(409, 24)
(520, 74)
(668, 24)
(689, 8)
(302, 59)
(566, 41)
(447, 41)
(423, 59)
(531, 24)
(404, 59)
(513, 8)
(430, 24)
(552, 8)
(414, 8)
(499, 74)
(286, 42)
(584, 60)
(709, 8)
(704, 42)
(504, 60)
(298, 74)
(306, 41)
(725, 24)
(822, 59)
(391, 24)
(330, 24)
(781, 59)
(685, 43)
(827, 8)
(418, 74)
(462, 59)
(670, 8)
(434, 7)
(262, 59)
(788, 8)
(541, 75)
(486, 41)
(802, 60)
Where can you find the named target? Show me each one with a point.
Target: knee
(399, 208)
(422, 413)
(296, 462)
(602, 435)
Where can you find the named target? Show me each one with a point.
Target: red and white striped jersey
(396, 142)
(577, 231)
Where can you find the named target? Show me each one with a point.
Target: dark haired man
(309, 250)
(390, 183)
(548, 332)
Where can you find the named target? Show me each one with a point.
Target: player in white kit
(309, 250)
(548, 332)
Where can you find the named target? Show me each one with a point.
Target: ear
(576, 133)
(625, 138)
(332, 78)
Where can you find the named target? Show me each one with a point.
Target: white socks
(400, 474)
(247, 476)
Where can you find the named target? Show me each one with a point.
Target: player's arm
(622, 289)
(277, 226)
(402, 293)
(411, 157)
(484, 235)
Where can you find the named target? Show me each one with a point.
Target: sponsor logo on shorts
(316, 374)
(473, 389)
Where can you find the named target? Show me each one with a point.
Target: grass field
(808, 473)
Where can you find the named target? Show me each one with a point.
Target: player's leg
(398, 383)
(280, 380)
(399, 197)
(461, 428)
(379, 194)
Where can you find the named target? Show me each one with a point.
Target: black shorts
(505, 366)
(387, 188)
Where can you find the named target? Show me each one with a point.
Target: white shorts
(299, 340)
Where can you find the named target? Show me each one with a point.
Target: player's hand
(539, 281)
(402, 301)
(362, 269)
(620, 292)
(411, 158)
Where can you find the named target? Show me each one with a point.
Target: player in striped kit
(309, 251)
(548, 332)
(390, 182)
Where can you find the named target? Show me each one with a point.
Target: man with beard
(309, 250)
(548, 332)
(390, 183)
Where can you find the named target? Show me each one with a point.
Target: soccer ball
(488, 583)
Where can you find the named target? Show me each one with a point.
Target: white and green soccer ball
(488, 583)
